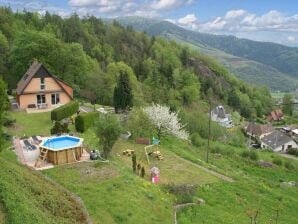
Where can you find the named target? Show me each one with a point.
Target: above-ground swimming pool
(62, 149)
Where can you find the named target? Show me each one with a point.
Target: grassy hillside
(106, 189)
(113, 194)
(2, 214)
(28, 197)
(250, 69)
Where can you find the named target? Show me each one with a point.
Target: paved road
(289, 156)
(86, 109)
(212, 172)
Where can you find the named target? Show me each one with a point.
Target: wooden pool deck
(29, 157)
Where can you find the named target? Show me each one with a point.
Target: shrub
(59, 128)
(245, 154)
(289, 165)
(196, 140)
(183, 192)
(293, 151)
(253, 155)
(8, 120)
(142, 172)
(139, 123)
(277, 161)
(134, 162)
(85, 121)
(216, 149)
(64, 111)
(108, 130)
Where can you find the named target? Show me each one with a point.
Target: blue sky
(264, 20)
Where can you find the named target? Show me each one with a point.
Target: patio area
(28, 152)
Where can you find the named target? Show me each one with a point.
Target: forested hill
(89, 54)
(253, 61)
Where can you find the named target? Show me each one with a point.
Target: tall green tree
(123, 97)
(107, 130)
(288, 106)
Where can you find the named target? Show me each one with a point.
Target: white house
(278, 142)
(219, 115)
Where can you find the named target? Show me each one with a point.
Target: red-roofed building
(275, 115)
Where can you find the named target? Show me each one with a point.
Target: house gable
(30, 82)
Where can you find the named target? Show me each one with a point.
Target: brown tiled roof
(27, 77)
(258, 129)
(275, 115)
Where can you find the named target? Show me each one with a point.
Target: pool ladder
(42, 156)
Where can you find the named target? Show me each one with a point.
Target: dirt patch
(103, 173)
(95, 170)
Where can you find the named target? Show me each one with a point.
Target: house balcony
(39, 108)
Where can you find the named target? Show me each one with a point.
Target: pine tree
(123, 98)
(134, 162)
(142, 172)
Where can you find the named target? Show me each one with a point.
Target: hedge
(64, 111)
(85, 121)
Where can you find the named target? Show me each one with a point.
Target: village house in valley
(258, 131)
(39, 89)
(219, 115)
(278, 142)
(275, 115)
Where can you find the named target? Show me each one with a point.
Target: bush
(8, 120)
(183, 192)
(64, 111)
(139, 123)
(196, 140)
(293, 151)
(59, 128)
(85, 121)
(277, 161)
(253, 155)
(289, 165)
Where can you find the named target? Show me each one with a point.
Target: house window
(55, 98)
(41, 99)
(42, 84)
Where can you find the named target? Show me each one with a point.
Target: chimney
(35, 61)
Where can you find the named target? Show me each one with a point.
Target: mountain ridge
(250, 70)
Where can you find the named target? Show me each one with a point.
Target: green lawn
(114, 195)
(31, 124)
(172, 168)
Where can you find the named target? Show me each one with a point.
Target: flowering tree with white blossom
(165, 121)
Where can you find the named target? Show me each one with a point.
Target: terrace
(38, 153)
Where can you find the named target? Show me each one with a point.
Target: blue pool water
(61, 142)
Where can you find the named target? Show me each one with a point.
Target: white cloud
(243, 21)
(188, 19)
(291, 38)
(164, 4)
(233, 14)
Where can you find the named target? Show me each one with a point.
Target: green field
(113, 194)
(31, 124)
